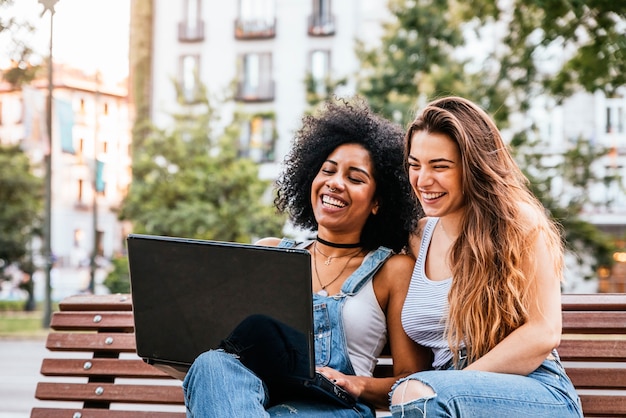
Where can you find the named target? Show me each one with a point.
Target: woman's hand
(349, 383)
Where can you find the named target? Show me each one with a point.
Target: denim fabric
(546, 392)
(218, 384)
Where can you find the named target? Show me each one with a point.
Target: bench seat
(111, 381)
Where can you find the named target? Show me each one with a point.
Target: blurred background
(172, 117)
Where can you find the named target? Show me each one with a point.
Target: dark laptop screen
(189, 294)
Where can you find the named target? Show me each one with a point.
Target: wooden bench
(111, 381)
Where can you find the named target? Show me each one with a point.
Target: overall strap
(290, 243)
(368, 268)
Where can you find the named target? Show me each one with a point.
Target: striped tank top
(426, 305)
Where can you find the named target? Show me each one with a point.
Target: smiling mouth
(432, 196)
(331, 201)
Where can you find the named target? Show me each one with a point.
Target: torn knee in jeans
(410, 390)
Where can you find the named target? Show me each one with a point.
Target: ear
(375, 208)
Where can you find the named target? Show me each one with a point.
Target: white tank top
(365, 327)
(426, 305)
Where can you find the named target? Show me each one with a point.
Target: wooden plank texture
(93, 321)
(109, 392)
(604, 405)
(597, 378)
(101, 342)
(583, 322)
(117, 302)
(593, 350)
(100, 367)
(100, 413)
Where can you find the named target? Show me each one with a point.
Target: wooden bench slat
(142, 394)
(100, 413)
(100, 367)
(596, 378)
(594, 302)
(592, 350)
(102, 342)
(117, 302)
(580, 322)
(93, 321)
(603, 405)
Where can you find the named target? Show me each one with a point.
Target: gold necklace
(329, 258)
(323, 291)
(445, 232)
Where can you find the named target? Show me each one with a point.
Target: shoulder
(268, 242)
(396, 270)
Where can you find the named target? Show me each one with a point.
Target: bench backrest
(110, 380)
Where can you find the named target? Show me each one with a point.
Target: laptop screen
(188, 295)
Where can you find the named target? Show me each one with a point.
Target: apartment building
(258, 53)
(91, 166)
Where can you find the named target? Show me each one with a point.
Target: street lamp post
(47, 250)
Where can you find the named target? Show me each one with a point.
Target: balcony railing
(321, 25)
(261, 93)
(189, 33)
(255, 29)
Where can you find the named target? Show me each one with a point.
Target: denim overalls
(218, 384)
(330, 340)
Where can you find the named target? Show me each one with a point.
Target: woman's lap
(547, 392)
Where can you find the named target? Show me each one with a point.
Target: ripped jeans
(547, 392)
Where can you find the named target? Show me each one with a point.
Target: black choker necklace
(335, 245)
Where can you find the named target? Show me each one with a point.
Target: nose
(424, 178)
(334, 184)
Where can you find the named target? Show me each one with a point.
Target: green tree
(20, 212)
(118, 279)
(13, 35)
(188, 183)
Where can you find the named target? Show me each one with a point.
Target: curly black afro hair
(340, 122)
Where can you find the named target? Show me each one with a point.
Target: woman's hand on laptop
(347, 382)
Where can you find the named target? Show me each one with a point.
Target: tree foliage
(21, 194)
(14, 34)
(188, 183)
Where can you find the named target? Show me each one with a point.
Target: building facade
(91, 167)
(258, 56)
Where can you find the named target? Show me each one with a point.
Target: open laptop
(188, 295)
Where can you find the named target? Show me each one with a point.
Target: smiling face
(343, 193)
(435, 173)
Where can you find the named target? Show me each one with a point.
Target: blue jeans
(546, 392)
(219, 385)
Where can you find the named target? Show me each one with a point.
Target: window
(321, 22)
(189, 72)
(615, 119)
(257, 139)
(320, 71)
(255, 78)
(191, 28)
(257, 19)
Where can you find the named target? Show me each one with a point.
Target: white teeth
(327, 200)
(432, 195)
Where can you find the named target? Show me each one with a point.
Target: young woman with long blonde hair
(485, 291)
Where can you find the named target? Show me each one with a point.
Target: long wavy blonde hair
(492, 287)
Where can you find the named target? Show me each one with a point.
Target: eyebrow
(434, 160)
(352, 168)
